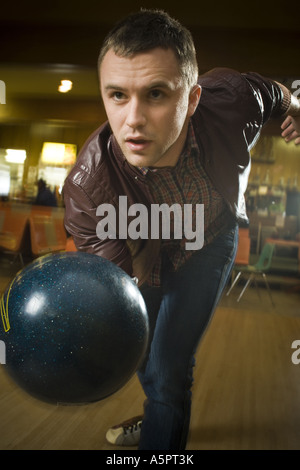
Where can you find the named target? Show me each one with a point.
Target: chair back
(243, 252)
(265, 259)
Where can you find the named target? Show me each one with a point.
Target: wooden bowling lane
(246, 392)
(245, 396)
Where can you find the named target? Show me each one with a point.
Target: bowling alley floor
(246, 394)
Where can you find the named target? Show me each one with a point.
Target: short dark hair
(147, 30)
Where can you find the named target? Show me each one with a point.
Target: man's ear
(194, 98)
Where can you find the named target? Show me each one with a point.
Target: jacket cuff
(286, 98)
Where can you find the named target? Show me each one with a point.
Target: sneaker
(127, 433)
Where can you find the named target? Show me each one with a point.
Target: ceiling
(233, 13)
(42, 43)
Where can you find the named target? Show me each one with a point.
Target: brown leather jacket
(232, 110)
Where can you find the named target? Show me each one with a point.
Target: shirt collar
(191, 146)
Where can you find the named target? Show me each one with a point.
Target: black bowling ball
(75, 328)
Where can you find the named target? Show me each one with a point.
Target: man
(45, 197)
(170, 139)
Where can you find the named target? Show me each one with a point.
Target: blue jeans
(179, 312)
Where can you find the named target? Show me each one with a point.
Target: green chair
(260, 268)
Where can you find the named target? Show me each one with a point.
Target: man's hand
(291, 129)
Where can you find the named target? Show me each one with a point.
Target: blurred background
(43, 125)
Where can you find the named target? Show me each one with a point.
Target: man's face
(147, 105)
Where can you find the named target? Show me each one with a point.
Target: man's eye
(155, 94)
(118, 95)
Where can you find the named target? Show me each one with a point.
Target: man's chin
(139, 161)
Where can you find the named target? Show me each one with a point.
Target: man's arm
(81, 223)
(285, 105)
(291, 125)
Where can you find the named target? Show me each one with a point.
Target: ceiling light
(15, 156)
(65, 86)
(58, 153)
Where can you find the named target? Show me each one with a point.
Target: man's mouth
(137, 144)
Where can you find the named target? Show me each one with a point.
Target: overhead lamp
(56, 153)
(15, 156)
(65, 86)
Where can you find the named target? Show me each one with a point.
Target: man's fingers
(286, 122)
(288, 129)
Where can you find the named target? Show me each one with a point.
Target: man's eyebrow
(157, 84)
(160, 84)
(112, 86)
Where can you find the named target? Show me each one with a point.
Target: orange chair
(70, 245)
(47, 234)
(243, 253)
(12, 232)
(243, 249)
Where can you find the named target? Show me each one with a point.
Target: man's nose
(136, 114)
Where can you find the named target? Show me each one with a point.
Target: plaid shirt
(186, 183)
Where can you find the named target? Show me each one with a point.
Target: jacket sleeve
(81, 223)
(273, 97)
(246, 101)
